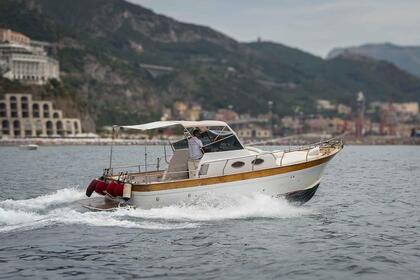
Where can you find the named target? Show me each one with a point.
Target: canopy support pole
(145, 157)
(112, 146)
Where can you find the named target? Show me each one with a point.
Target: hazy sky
(316, 26)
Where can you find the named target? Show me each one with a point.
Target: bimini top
(186, 124)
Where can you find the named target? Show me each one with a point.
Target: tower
(360, 118)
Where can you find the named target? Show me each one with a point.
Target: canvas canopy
(163, 124)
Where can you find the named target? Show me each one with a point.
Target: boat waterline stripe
(229, 178)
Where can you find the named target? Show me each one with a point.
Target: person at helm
(195, 145)
(194, 148)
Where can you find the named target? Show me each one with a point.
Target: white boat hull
(303, 180)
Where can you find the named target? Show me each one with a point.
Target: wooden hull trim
(189, 183)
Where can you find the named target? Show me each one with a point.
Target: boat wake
(61, 207)
(218, 208)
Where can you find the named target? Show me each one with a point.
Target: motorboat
(226, 168)
(31, 147)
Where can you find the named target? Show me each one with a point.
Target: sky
(315, 26)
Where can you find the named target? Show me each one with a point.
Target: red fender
(111, 188)
(91, 187)
(119, 189)
(100, 187)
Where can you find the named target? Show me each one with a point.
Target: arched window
(16, 127)
(24, 106)
(13, 107)
(3, 112)
(35, 110)
(56, 115)
(5, 127)
(46, 109)
(16, 124)
(38, 127)
(60, 130)
(69, 127)
(49, 126)
(76, 127)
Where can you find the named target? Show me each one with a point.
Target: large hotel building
(25, 60)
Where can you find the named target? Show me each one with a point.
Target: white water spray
(61, 207)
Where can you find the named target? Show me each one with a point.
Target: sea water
(364, 222)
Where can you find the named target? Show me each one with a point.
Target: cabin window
(257, 161)
(238, 164)
(203, 170)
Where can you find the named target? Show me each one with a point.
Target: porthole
(238, 164)
(257, 161)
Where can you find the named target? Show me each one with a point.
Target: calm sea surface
(364, 222)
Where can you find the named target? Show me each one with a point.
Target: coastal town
(24, 118)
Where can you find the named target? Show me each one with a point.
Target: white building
(20, 116)
(21, 60)
(323, 104)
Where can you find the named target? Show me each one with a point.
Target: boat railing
(333, 142)
(157, 166)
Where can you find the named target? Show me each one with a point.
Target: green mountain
(103, 46)
(406, 58)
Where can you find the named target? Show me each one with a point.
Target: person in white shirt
(195, 145)
(194, 148)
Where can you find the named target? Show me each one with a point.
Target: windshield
(227, 142)
(213, 141)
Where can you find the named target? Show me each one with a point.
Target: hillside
(338, 79)
(102, 45)
(406, 58)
